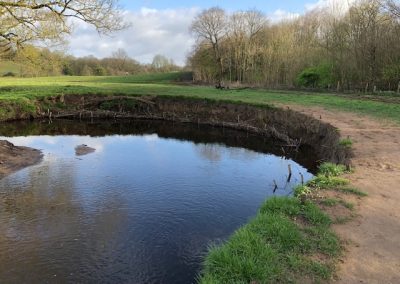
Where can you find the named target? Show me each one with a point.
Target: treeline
(336, 47)
(31, 61)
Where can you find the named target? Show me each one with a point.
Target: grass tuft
(324, 182)
(352, 190)
(347, 142)
(273, 247)
(331, 170)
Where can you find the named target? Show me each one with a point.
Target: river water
(143, 208)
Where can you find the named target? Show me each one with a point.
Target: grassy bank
(286, 242)
(289, 241)
(21, 93)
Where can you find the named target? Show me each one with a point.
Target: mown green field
(21, 90)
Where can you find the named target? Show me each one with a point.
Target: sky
(162, 27)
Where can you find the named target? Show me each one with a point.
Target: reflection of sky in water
(144, 209)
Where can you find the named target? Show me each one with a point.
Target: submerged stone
(83, 150)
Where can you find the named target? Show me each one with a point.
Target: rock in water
(83, 149)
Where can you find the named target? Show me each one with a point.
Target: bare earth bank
(14, 158)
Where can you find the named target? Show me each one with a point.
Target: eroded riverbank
(14, 158)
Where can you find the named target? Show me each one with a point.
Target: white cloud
(280, 15)
(152, 32)
(337, 6)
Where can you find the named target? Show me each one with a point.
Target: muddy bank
(291, 127)
(14, 158)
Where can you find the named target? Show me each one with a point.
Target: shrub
(10, 74)
(318, 76)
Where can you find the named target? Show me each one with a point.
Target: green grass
(281, 243)
(327, 182)
(335, 201)
(274, 248)
(330, 169)
(351, 190)
(343, 219)
(346, 142)
(330, 202)
(21, 90)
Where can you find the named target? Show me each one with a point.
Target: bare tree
(343, 46)
(25, 21)
(211, 25)
(394, 7)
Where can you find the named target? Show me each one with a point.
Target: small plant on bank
(327, 182)
(331, 170)
(352, 190)
(346, 142)
(330, 202)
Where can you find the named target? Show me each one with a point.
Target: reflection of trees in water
(242, 154)
(46, 226)
(210, 152)
(215, 152)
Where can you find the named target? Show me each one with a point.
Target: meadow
(23, 92)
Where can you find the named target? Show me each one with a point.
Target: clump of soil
(14, 158)
(83, 150)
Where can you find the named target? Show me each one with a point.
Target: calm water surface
(142, 209)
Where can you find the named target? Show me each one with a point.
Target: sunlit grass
(14, 89)
(273, 247)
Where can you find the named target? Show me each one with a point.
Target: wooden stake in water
(290, 173)
(302, 179)
(276, 186)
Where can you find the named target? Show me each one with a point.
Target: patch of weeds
(324, 182)
(348, 205)
(343, 219)
(352, 190)
(346, 142)
(331, 170)
(302, 191)
(330, 202)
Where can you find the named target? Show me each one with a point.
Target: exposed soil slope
(13, 158)
(373, 250)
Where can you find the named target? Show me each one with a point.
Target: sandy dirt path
(373, 237)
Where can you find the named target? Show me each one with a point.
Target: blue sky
(265, 6)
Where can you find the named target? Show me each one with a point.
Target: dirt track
(373, 237)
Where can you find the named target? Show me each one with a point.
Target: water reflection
(142, 209)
